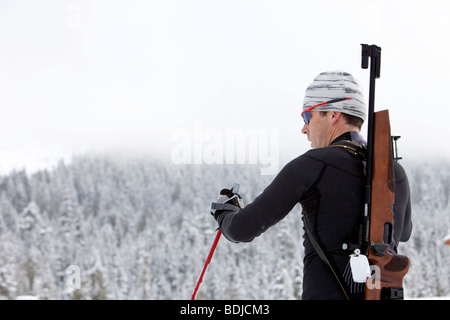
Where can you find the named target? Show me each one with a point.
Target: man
(328, 182)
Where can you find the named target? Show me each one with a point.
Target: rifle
(390, 268)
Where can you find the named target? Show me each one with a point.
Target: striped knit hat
(332, 85)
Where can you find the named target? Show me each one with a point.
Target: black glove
(227, 202)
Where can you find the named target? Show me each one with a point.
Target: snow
(128, 228)
(430, 298)
(27, 298)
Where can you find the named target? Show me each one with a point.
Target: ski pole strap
(322, 255)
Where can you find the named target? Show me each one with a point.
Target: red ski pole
(233, 190)
(208, 260)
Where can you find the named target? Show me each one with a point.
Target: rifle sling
(322, 255)
(359, 151)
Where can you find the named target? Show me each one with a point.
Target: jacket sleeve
(273, 204)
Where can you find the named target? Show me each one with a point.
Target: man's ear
(335, 116)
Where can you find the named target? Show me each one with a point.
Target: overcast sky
(79, 76)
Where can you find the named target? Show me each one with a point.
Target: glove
(227, 202)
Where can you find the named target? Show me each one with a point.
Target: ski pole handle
(234, 190)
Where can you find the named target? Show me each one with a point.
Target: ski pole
(208, 260)
(234, 190)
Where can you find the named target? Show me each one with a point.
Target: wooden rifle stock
(392, 267)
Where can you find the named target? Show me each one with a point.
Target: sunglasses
(306, 114)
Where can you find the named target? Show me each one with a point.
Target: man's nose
(305, 129)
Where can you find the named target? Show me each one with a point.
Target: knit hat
(332, 85)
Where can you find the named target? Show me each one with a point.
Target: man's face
(318, 130)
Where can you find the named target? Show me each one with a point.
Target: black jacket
(328, 183)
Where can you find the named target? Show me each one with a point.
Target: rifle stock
(392, 267)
